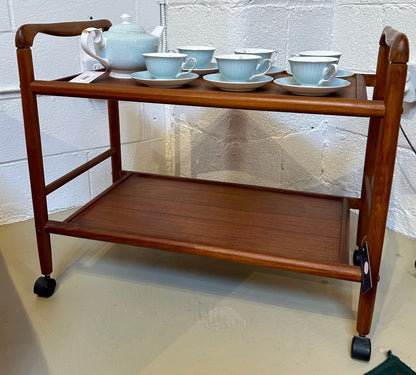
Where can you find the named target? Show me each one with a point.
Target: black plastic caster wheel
(44, 286)
(356, 258)
(361, 348)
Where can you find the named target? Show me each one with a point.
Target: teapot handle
(98, 40)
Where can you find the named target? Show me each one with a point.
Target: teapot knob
(125, 18)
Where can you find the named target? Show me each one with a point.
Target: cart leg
(115, 143)
(361, 345)
(44, 285)
(45, 251)
(365, 310)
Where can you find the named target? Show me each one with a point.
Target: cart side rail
(397, 43)
(389, 87)
(380, 158)
(24, 39)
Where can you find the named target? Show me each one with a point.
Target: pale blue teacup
(202, 54)
(168, 65)
(320, 53)
(242, 68)
(265, 53)
(313, 70)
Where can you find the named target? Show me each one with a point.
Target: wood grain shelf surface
(256, 225)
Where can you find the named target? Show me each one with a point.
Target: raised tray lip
(352, 102)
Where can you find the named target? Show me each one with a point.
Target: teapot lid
(126, 26)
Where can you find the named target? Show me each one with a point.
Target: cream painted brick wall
(318, 153)
(5, 24)
(358, 26)
(73, 130)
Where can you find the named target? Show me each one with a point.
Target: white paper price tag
(86, 77)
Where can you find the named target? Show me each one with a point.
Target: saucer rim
(236, 86)
(164, 83)
(310, 89)
(212, 66)
(264, 79)
(346, 73)
(188, 76)
(329, 85)
(275, 72)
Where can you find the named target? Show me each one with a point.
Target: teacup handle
(329, 73)
(193, 59)
(269, 65)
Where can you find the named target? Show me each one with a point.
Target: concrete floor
(125, 310)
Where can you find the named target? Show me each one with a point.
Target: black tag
(366, 281)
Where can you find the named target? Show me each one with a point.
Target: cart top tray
(351, 100)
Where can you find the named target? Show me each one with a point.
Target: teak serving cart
(297, 231)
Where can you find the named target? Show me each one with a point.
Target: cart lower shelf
(297, 231)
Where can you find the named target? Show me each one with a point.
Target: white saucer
(344, 73)
(211, 68)
(147, 79)
(274, 70)
(218, 81)
(289, 84)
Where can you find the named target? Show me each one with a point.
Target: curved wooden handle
(398, 45)
(26, 33)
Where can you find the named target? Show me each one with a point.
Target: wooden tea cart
(291, 230)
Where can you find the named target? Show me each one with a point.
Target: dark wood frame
(219, 207)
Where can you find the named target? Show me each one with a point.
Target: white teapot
(121, 47)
